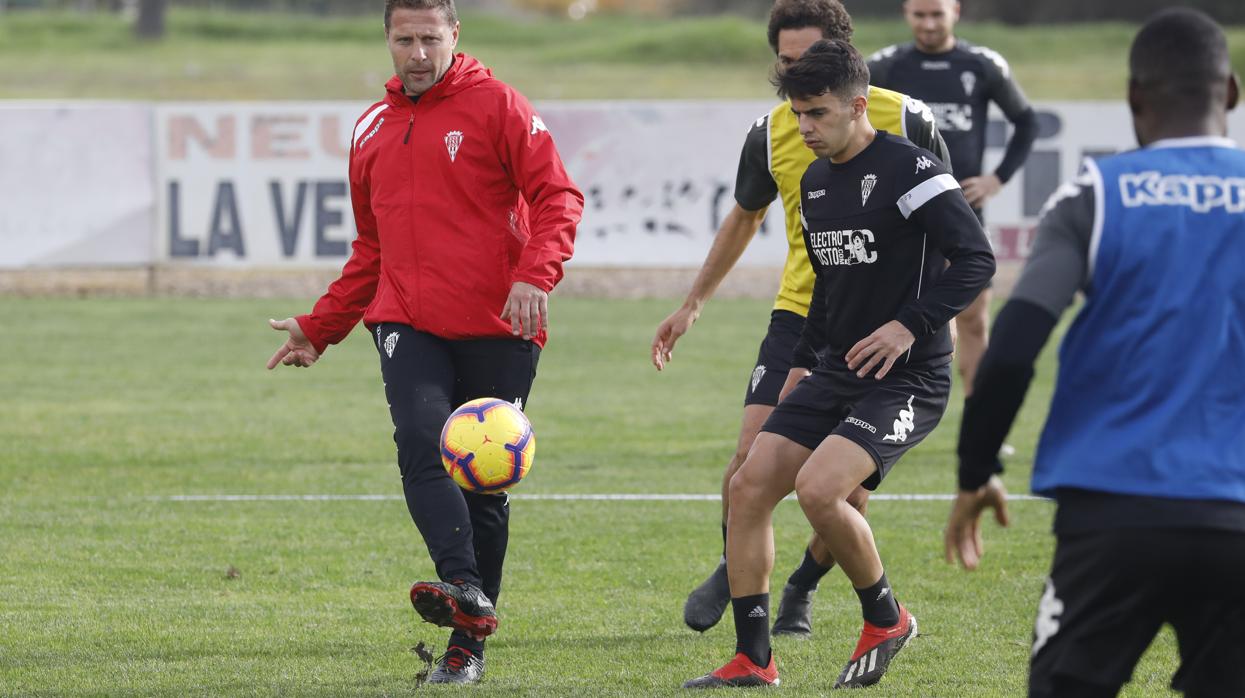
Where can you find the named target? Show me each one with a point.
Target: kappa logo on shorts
(391, 342)
(862, 424)
(757, 374)
(518, 402)
(904, 424)
(1049, 610)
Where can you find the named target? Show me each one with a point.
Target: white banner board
(76, 184)
(263, 185)
(658, 177)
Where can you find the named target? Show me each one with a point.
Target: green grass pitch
(109, 407)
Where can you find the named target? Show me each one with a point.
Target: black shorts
(774, 358)
(1109, 593)
(886, 417)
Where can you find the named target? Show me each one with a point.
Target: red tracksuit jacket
(456, 197)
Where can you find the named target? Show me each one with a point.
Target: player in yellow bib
(773, 160)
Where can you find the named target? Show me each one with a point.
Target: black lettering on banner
(178, 245)
(288, 226)
(658, 208)
(329, 217)
(225, 231)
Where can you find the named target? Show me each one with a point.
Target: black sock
(752, 627)
(808, 574)
(724, 542)
(465, 641)
(878, 604)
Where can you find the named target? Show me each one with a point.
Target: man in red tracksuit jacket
(465, 215)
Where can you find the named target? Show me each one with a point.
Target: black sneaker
(795, 613)
(460, 606)
(457, 665)
(706, 604)
(875, 650)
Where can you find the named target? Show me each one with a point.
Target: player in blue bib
(1144, 447)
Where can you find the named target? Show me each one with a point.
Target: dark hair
(833, 66)
(446, 6)
(1180, 57)
(827, 15)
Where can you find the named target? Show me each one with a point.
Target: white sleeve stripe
(1095, 236)
(919, 195)
(366, 123)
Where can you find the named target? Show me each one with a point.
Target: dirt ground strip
(201, 282)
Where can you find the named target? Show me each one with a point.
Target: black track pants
(426, 377)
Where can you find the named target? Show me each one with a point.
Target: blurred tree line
(149, 14)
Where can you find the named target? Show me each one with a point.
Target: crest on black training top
(866, 187)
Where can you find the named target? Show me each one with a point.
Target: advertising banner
(263, 185)
(254, 184)
(76, 184)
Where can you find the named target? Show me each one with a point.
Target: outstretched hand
(527, 309)
(669, 332)
(297, 350)
(962, 538)
(884, 347)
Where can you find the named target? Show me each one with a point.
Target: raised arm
(342, 305)
(754, 190)
(1056, 269)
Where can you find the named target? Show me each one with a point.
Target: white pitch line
(539, 497)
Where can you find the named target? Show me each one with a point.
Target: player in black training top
(958, 80)
(897, 252)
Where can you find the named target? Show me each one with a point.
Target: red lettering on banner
(278, 138)
(221, 145)
(1012, 243)
(332, 140)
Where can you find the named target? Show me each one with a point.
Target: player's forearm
(552, 242)
(1025, 132)
(732, 238)
(970, 271)
(956, 232)
(1003, 379)
(342, 306)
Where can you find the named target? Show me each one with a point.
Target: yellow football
(487, 445)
